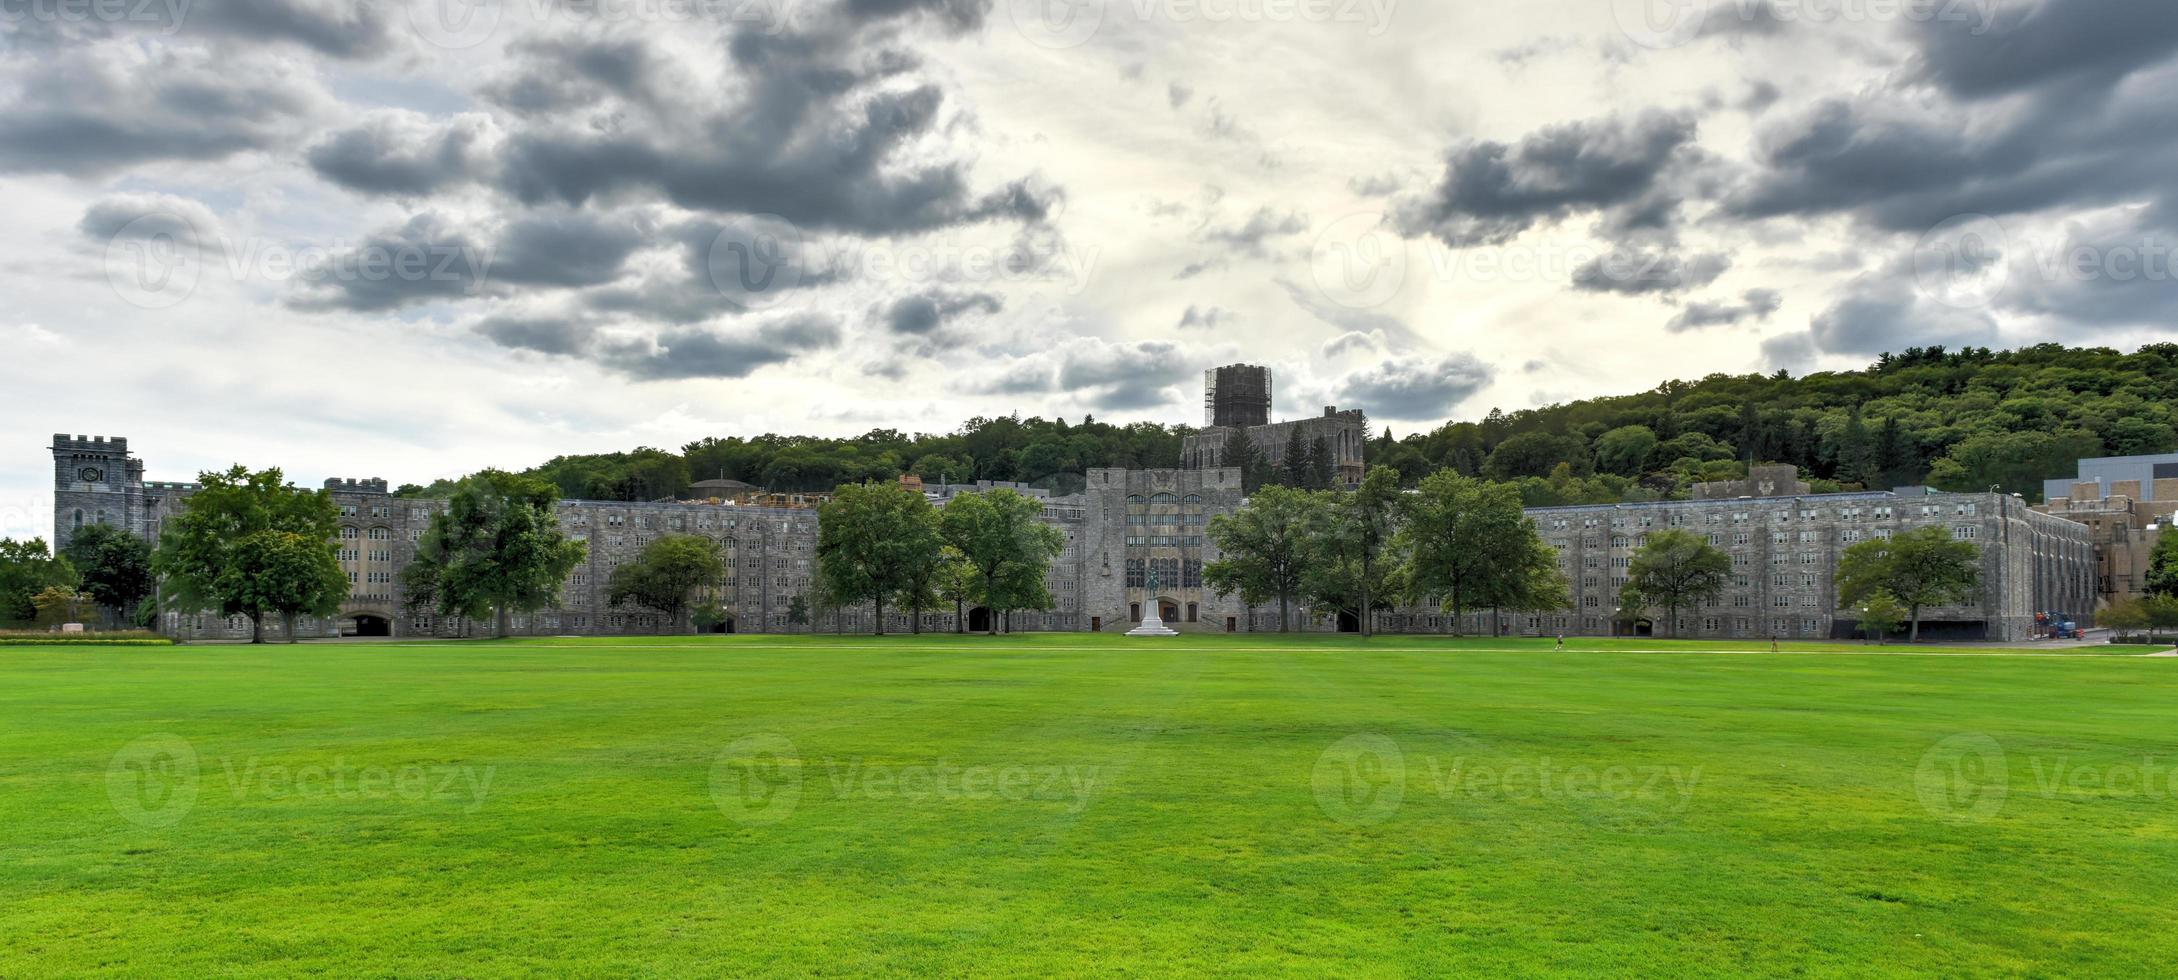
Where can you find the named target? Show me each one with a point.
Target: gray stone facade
(1345, 433)
(1784, 559)
(1129, 523)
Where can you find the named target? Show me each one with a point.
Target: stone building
(2127, 504)
(1344, 433)
(1130, 526)
(1140, 524)
(769, 551)
(1785, 550)
(1236, 396)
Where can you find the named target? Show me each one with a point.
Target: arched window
(79, 517)
(381, 534)
(1193, 500)
(1135, 500)
(347, 533)
(1163, 499)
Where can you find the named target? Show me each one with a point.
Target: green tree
(115, 567)
(798, 611)
(1675, 570)
(1919, 568)
(667, 575)
(289, 575)
(1263, 548)
(1241, 454)
(1346, 568)
(1467, 544)
(1323, 467)
(496, 549)
(955, 582)
(1857, 451)
(1625, 450)
(1880, 615)
(1535, 454)
(876, 542)
(1008, 548)
(26, 569)
(211, 556)
(58, 604)
(1294, 467)
(2163, 565)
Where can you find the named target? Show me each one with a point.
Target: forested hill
(1961, 420)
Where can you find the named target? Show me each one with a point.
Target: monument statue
(1153, 624)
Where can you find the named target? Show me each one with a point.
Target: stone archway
(1168, 610)
(979, 619)
(371, 624)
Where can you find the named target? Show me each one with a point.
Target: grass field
(1078, 804)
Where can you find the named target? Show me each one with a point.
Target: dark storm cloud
(923, 314)
(1410, 390)
(1759, 304)
(1884, 315)
(802, 131)
(1125, 376)
(709, 352)
(543, 334)
(1635, 271)
(338, 28)
(148, 217)
(2026, 45)
(1906, 158)
(1624, 169)
(425, 260)
(707, 281)
(559, 74)
(91, 111)
(566, 248)
(401, 155)
(956, 16)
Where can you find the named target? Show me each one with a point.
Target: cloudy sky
(377, 239)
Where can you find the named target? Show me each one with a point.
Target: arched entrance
(724, 625)
(367, 624)
(979, 619)
(1349, 623)
(1168, 610)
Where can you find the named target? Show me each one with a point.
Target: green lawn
(1077, 804)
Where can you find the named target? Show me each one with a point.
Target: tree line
(1957, 420)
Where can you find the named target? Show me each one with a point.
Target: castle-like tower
(96, 481)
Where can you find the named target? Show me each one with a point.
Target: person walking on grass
(1561, 641)
(1773, 644)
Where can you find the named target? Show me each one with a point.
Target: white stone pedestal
(1152, 624)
